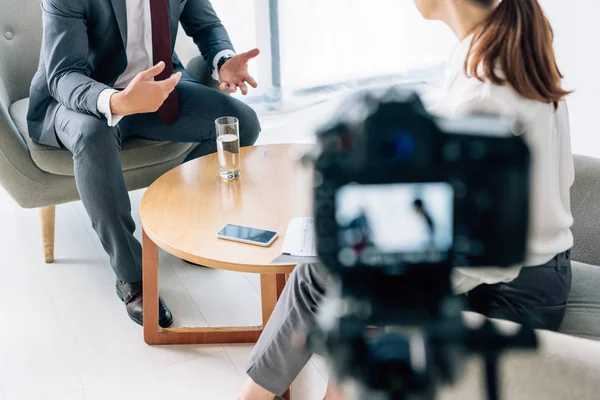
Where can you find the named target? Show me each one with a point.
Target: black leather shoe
(131, 295)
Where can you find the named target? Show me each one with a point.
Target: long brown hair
(518, 38)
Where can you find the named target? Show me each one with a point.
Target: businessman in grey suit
(108, 71)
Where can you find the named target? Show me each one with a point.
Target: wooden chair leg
(47, 217)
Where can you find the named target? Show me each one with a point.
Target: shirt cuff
(215, 71)
(104, 107)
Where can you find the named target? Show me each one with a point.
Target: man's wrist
(104, 106)
(215, 63)
(117, 105)
(222, 61)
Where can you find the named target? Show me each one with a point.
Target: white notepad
(300, 243)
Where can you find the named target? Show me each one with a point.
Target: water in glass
(228, 147)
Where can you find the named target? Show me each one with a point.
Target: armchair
(37, 176)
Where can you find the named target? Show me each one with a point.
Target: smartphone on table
(244, 234)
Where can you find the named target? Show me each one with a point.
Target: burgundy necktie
(161, 50)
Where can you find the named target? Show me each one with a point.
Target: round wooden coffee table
(184, 209)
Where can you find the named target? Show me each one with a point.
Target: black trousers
(537, 297)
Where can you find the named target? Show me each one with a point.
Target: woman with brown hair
(504, 64)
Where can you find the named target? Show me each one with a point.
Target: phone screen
(248, 234)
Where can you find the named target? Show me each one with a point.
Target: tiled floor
(64, 334)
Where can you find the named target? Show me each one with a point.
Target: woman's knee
(313, 282)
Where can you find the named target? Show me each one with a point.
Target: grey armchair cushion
(582, 318)
(562, 368)
(136, 153)
(585, 203)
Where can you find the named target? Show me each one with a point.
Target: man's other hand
(143, 95)
(234, 73)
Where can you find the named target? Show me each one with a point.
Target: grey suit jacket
(83, 53)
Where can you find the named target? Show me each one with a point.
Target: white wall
(577, 30)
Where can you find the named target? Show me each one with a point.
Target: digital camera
(401, 199)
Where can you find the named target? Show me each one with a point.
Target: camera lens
(452, 151)
(477, 150)
(327, 245)
(347, 257)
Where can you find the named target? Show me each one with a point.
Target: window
(329, 45)
(325, 42)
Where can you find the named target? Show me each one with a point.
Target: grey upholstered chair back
(585, 203)
(20, 42)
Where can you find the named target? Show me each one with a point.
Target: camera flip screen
(409, 221)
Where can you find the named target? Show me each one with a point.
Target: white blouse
(547, 133)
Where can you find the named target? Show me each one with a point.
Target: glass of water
(228, 147)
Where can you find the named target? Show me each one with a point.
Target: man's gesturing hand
(143, 95)
(234, 73)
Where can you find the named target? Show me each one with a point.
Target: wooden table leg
(281, 280)
(153, 334)
(271, 287)
(150, 287)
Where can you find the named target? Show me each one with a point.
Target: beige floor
(64, 334)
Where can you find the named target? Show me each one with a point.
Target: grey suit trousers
(278, 357)
(96, 156)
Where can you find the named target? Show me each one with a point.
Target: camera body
(402, 198)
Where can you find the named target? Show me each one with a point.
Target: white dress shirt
(139, 54)
(547, 133)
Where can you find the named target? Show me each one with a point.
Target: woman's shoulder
(473, 95)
